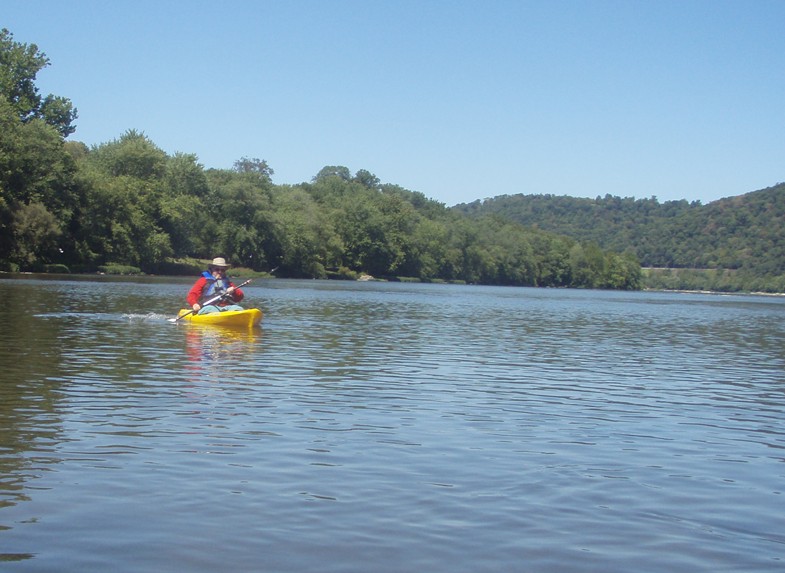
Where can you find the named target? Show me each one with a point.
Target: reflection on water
(391, 427)
(212, 343)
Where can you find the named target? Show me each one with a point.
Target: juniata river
(386, 427)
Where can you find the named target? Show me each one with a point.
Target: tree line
(127, 205)
(742, 238)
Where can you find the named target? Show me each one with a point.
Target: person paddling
(212, 283)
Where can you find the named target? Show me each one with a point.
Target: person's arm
(196, 293)
(236, 293)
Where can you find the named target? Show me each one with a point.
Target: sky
(459, 100)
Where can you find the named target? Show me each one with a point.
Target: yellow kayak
(247, 318)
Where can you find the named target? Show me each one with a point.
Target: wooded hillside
(745, 234)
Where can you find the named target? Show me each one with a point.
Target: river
(387, 427)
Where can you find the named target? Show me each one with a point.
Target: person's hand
(230, 290)
(196, 307)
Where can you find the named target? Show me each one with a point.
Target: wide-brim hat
(219, 262)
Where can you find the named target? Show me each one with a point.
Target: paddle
(210, 301)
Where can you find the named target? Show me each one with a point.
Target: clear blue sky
(460, 100)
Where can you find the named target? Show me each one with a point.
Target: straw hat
(219, 262)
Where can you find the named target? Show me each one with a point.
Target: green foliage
(239, 219)
(342, 273)
(745, 233)
(184, 190)
(37, 199)
(19, 66)
(35, 232)
(307, 242)
(336, 171)
(176, 267)
(256, 167)
(115, 269)
(717, 280)
(132, 155)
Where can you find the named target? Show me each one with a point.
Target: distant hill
(746, 232)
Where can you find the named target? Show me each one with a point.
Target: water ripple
(411, 427)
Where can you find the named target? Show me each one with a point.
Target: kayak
(247, 318)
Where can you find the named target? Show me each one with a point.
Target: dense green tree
(19, 66)
(623, 272)
(124, 182)
(309, 245)
(338, 171)
(255, 166)
(123, 227)
(552, 256)
(36, 232)
(587, 263)
(241, 223)
(375, 227)
(367, 179)
(133, 154)
(358, 221)
(36, 199)
(183, 208)
(428, 250)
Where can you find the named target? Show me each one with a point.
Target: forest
(733, 244)
(127, 206)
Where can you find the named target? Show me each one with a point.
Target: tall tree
(240, 225)
(35, 170)
(255, 166)
(183, 204)
(333, 171)
(308, 242)
(125, 192)
(19, 66)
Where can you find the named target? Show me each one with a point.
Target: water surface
(390, 428)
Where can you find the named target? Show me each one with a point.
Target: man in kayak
(212, 283)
